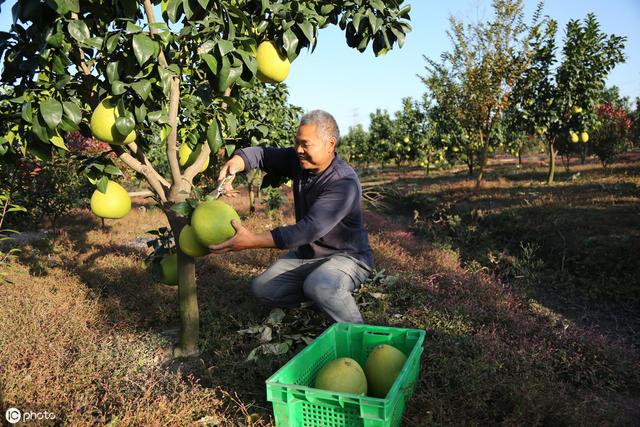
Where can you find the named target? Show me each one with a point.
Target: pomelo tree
(486, 61)
(164, 80)
(558, 102)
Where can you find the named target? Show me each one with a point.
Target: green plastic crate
(297, 404)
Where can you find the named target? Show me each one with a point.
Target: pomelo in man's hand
(114, 203)
(169, 266)
(103, 124)
(189, 243)
(382, 368)
(343, 374)
(211, 222)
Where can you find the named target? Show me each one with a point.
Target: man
(330, 255)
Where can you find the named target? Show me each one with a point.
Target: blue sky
(351, 85)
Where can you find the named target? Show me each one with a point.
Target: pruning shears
(218, 191)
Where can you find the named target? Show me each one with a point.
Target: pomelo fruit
(573, 136)
(189, 243)
(211, 222)
(169, 266)
(114, 203)
(584, 136)
(187, 156)
(342, 374)
(382, 368)
(103, 124)
(272, 66)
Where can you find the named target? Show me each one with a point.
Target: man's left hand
(241, 240)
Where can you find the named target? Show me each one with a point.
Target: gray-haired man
(330, 255)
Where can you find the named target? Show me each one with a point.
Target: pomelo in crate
(294, 389)
(383, 366)
(342, 374)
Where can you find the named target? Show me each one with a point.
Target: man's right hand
(233, 166)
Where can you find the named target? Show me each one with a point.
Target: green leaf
(27, 113)
(102, 184)
(112, 170)
(112, 72)
(57, 141)
(206, 47)
(112, 42)
(132, 28)
(174, 10)
(230, 149)
(154, 116)
(214, 138)
(378, 4)
(72, 111)
(290, 41)
(307, 29)
(182, 209)
(39, 129)
(125, 124)
(55, 39)
(144, 48)
(140, 113)
(118, 87)
(142, 88)
(51, 111)
(225, 46)
(223, 74)
(211, 61)
(79, 31)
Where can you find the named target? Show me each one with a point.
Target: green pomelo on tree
(169, 267)
(103, 124)
(114, 203)
(187, 156)
(189, 243)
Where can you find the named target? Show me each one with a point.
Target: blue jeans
(328, 282)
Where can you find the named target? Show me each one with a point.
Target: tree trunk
(520, 155)
(552, 162)
(483, 159)
(187, 294)
(254, 179)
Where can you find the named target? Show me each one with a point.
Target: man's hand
(233, 166)
(243, 239)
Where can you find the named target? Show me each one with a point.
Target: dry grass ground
(529, 296)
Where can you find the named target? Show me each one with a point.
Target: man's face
(314, 154)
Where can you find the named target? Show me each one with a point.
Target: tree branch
(174, 103)
(193, 170)
(148, 9)
(145, 161)
(135, 164)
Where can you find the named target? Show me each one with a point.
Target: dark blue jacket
(328, 205)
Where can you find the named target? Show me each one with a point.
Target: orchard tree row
(505, 87)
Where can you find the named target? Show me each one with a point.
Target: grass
(528, 294)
